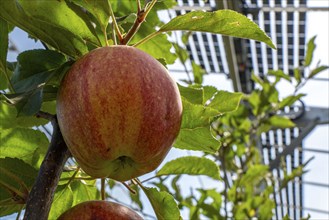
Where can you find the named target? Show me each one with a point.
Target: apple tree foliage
(214, 122)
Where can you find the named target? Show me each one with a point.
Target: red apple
(100, 210)
(119, 112)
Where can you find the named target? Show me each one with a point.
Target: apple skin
(100, 210)
(119, 112)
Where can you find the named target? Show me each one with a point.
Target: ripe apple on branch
(119, 112)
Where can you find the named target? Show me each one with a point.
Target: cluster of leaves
(249, 185)
(71, 28)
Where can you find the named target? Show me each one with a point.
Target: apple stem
(103, 189)
(115, 25)
(129, 188)
(139, 183)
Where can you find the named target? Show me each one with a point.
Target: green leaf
(33, 71)
(35, 65)
(99, 9)
(266, 209)
(279, 74)
(59, 24)
(28, 145)
(63, 200)
(255, 101)
(289, 100)
(208, 93)
(191, 165)
(317, 70)
(199, 139)
(257, 79)
(4, 72)
(254, 174)
(163, 204)
(158, 47)
(181, 53)
(225, 22)
(136, 198)
(83, 192)
(225, 101)
(16, 179)
(309, 52)
(198, 73)
(3, 79)
(297, 75)
(281, 122)
(177, 189)
(192, 95)
(3, 45)
(9, 120)
(26, 104)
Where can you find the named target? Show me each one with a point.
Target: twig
(129, 188)
(154, 34)
(146, 180)
(114, 22)
(10, 85)
(41, 196)
(45, 115)
(141, 16)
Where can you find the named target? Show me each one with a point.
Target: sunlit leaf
(225, 22)
(83, 192)
(181, 53)
(9, 119)
(99, 9)
(16, 179)
(163, 204)
(208, 93)
(28, 145)
(289, 100)
(225, 101)
(198, 73)
(57, 23)
(254, 174)
(309, 51)
(279, 74)
(281, 122)
(63, 200)
(3, 48)
(158, 47)
(191, 165)
(317, 70)
(297, 75)
(199, 139)
(192, 95)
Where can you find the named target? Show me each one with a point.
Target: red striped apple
(119, 112)
(100, 210)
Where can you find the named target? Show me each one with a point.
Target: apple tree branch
(41, 196)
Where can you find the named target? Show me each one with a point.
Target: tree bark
(41, 196)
